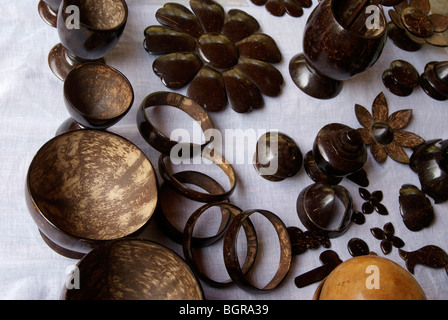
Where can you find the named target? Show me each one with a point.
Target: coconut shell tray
(345, 187)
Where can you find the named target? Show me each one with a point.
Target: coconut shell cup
(369, 277)
(96, 96)
(86, 187)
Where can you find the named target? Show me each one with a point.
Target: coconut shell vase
(342, 39)
(86, 187)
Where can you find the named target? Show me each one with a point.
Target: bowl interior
(93, 184)
(98, 91)
(101, 14)
(134, 269)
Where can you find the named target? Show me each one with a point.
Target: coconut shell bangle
(208, 184)
(231, 254)
(157, 139)
(251, 238)
(315, 208)
(197, 195)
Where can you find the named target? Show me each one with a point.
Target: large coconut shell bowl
(132, 269)
(86, 187)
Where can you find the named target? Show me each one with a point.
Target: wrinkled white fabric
(32, 108)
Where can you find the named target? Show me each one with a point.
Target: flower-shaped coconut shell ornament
(413, 18)
(384, 133)
(220, 56)
(278, 8)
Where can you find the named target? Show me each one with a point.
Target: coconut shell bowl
(96, 96)
(88, 30)
(87, 187)
(132, 269)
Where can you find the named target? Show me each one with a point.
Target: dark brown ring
(309, 222)
(231, 254)
(157, 139)
(251, 236)
(208, 184)
(191, 194)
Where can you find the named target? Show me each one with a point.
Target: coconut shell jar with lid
(338, 151)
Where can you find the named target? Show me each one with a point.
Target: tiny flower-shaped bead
(372, 202)
(413, 17)
(220, 56)
(387, 237)
(384, 133)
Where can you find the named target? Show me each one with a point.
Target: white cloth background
(32, 108)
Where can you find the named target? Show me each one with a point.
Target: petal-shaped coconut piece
(407, 139)
(208, 89)
(293, 8)
(399, 120)
(242, 93)
(239, 25)
(259, 2)
(401, 6)
(266, 77)
(363, 115)
(177, 69)
(218, 50)
(422, 5)
(366, 136)
(260, 46)
(163, 40)
(395, 17)
(180, 18)
(305, 3)
(439, 22)
(380, 109)
(437, 40)
(276, 7)
(210, 13)
(397, 153)
(378, 152)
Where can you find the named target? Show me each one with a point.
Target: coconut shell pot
(369, 277)
(86, 187)
(132, 269)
